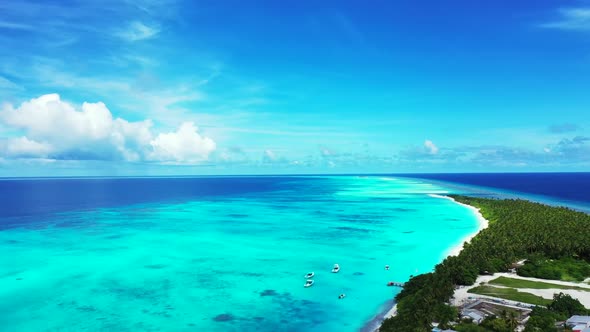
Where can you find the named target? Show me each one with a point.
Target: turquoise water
(230, 262)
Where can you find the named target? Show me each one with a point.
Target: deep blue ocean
(30, 197)
(21, 197)
(230, 253)
(563, 189)
(567, 186)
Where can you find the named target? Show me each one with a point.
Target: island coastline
(483, 223)
(426, 295)
(374, 324)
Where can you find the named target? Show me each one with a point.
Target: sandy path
(461, 295)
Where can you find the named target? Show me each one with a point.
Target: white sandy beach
(453, 251)
(392, 312)
(482, 223)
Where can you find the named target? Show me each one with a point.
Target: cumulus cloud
(24, 147)
(185, 145)
(430, 147)
(47, 117)
(56, 129)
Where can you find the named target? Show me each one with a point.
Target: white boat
(308, 283)
(336, 268)
(309, 275)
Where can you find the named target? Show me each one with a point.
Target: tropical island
(524, 244)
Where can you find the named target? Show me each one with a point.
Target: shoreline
(374, 324)
(483, 223)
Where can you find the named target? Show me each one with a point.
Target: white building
(578, 321)
(475, 315)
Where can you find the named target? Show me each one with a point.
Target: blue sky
(164, 87)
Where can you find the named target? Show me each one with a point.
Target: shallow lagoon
(226, 262)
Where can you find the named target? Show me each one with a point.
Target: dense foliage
(541, 319)
(518, 229)
(567, 268)
(562, 307)
(505, 322)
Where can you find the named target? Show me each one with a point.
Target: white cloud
(24, 147)
(56, 129)
(430, 147)
(185, 145)
(136, 31)
(571, 19)
(49, 118)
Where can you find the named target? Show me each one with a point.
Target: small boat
(309, 275)
(336, 268)
(387, 267)
(308, 283)
(341, 296)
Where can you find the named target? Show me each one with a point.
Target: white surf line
(482, 224)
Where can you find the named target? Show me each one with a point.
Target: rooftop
(575, 319)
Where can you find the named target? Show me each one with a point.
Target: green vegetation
(520, 283)
(469, 327)
(444, 314)
(566, 268)
(541, 319)
(561, 308)
(506, 321)
(510, 294)
(518, 229)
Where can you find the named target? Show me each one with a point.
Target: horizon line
(269, 175)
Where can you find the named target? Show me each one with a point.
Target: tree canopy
(518, 230)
